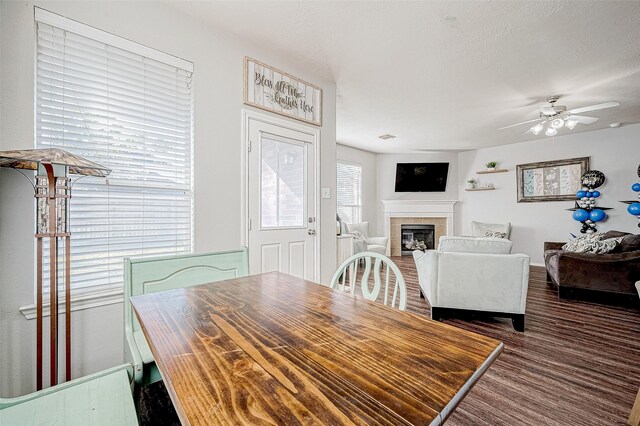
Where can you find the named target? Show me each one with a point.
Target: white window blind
(349, 192)
(132, 113)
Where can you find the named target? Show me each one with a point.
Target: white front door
(281, 200)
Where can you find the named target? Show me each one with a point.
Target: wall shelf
(485, 172)
(479, 189)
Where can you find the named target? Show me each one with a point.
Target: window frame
(88, 296)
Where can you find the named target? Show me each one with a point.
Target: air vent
(387, 136)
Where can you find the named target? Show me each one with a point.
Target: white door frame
(247, 117)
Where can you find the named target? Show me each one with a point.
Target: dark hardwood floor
(577, 363)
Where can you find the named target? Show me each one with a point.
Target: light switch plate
(326, 192)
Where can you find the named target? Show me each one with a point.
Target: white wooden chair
(346, 278)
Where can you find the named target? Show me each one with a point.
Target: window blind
(133, 114)
(349, 192)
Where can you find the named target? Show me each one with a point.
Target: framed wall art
(273, 90)
(550, 180)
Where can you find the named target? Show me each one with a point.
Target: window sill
(78, 303)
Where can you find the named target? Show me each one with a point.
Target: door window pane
(282, 184)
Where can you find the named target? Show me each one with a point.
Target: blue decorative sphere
(581, 194)
(634, 209)
(580, 215)
(636, 187)
(597, 215)
(596, 194)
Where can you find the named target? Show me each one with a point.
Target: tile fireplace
(440, 214)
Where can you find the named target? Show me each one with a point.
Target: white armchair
(474, 274)
(374, 244)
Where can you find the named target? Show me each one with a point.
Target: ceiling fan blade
(583, 119)
(594, 107)
(519, 124)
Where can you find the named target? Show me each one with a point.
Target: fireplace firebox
(413, 235)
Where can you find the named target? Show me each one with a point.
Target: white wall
(615, 152)
(367, 160)
(387, 178)
(97, 332)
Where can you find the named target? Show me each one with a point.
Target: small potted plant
(473, 183)
(491, 166)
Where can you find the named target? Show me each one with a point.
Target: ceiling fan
(557, 116)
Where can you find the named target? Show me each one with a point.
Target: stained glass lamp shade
(30, 159)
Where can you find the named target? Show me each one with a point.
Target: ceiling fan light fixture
(552, 117)
(557, 123)
(570, 124)
(537, 129)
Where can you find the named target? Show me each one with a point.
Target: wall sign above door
(270, 89)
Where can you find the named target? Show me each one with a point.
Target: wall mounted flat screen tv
(421, 177)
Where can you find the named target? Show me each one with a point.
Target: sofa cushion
(630, 242)
(474, 245)
(376, 248)
(613, 234)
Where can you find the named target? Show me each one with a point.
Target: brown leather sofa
(605, 278)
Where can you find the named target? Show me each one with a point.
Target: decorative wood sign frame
(550, 180)
(273, 90)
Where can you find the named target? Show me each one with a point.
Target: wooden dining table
(275, 349)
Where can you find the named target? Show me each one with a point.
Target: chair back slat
(386, 285)
(395, 293)
(347, 278)
(365, 278)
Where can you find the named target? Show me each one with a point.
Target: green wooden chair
(346, 279)
(150, 275)
(98, 399)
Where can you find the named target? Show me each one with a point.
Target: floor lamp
(52, 191)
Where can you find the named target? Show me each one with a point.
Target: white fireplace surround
(419, 208)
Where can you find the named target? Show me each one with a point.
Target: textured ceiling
(447, 75)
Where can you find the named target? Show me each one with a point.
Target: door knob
(311, 232)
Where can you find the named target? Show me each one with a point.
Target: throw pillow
(593, 243)
(583, 244)
(357, 235)
(362, 227)
(606, 246)
(495, 234)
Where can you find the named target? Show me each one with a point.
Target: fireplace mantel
(436, 209)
